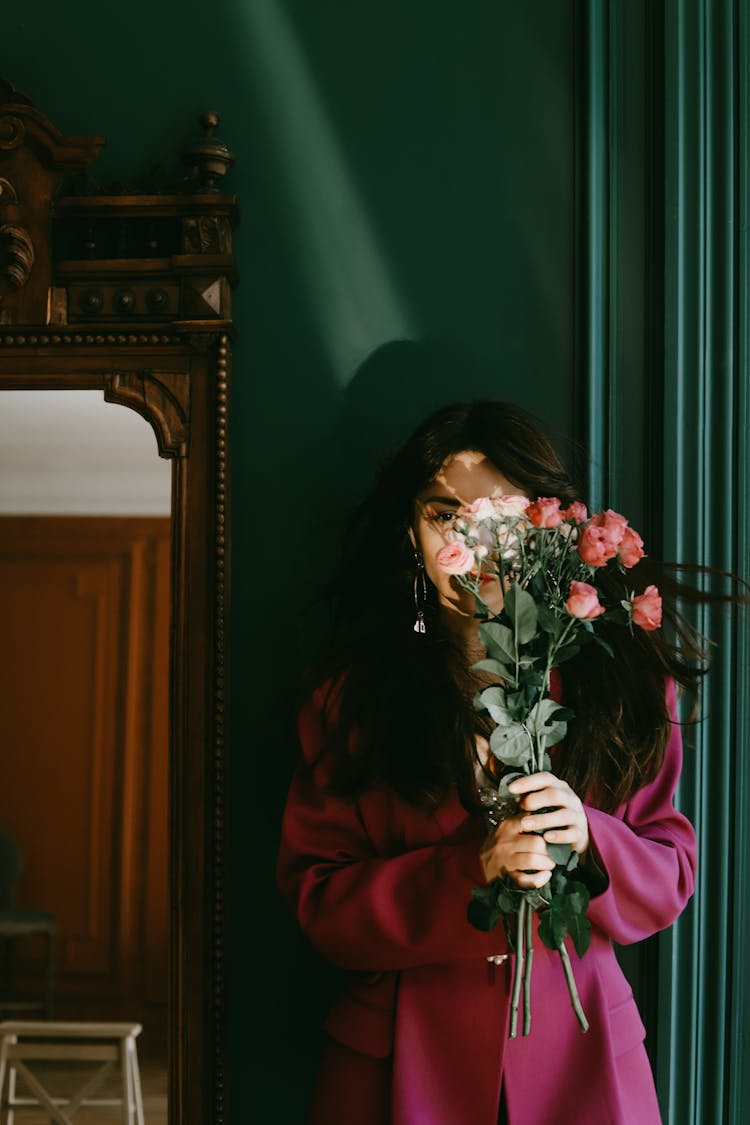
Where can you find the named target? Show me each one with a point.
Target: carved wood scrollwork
(16, 254)
(162, 398)
(16, 245)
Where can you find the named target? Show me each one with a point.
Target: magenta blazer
(381, 889)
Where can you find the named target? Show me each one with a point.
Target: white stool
(37, 1040)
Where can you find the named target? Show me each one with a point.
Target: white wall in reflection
(72, 453)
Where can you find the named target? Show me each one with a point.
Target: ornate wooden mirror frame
(130, 294)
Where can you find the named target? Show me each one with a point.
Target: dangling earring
(420, 592)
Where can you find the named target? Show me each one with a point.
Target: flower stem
(527, 972)
(518, 969)
(574, 997)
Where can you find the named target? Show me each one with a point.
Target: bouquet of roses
(546, 559)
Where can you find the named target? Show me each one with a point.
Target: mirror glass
(85, 609)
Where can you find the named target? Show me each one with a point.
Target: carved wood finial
(209, 158)
(8, 93)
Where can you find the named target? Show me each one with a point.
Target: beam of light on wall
(347, 279)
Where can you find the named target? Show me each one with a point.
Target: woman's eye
(443, 517)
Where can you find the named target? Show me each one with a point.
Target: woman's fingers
(522, 855)
(563, 820)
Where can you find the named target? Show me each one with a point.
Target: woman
(384, 837)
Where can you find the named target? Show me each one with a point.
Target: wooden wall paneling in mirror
(130, 294)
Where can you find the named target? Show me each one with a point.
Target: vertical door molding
(703, 967)
(620, 336)
(620, 256)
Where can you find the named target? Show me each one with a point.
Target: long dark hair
(407, 697)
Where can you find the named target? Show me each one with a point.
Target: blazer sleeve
(363, 910)
(647, 853)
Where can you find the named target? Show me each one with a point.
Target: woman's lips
(484, 578)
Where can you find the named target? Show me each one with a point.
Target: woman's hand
(565, 824)
(517, 846)
(510, 850)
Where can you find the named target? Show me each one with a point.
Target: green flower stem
(527, 971)
(574, 997)
(518, 969)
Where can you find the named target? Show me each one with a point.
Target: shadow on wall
(389, 394)
(392, 391)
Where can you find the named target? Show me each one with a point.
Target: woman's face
(464, 477)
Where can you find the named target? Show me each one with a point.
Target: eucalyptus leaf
(541, 722)
(502, 790)
(521, 610)
(512, 744)
(494, 700)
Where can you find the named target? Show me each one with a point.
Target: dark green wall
(403, 170)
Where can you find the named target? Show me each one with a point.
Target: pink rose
(612, 523)
(545, 512)
(510, 505)
(595, 545)
(630, 550)
(482, 508)
(576, 511)
(455, 558)
(583, 601)
(646, 610)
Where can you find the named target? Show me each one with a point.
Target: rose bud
(583, 601)
(646, 611)
(630, 550)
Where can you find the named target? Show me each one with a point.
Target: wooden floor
(62, 1081)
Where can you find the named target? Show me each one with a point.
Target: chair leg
(11, 1096)
(3, 1067)
(9, 966)
(135, 1076)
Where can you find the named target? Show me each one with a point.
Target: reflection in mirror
(84, 606)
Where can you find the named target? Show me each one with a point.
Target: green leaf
(481, 916)
(579, 929)
(559, 926)
(493, 699)
(548, 620)
(563, 713)
(496, 668)
(542, 724)
(498, 641)
(521, 610)
(559, 852)
(482, 912)
(502, 790)
(511, 744)
(567, 652)
(604, 644)
(573, 904)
